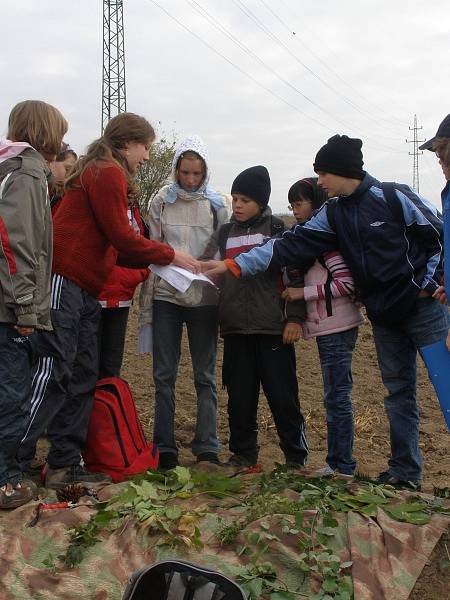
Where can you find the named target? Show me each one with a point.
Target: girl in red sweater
(92, 233)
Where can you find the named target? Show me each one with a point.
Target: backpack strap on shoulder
(327, 287)
(393, 201)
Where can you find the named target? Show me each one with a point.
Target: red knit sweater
(91, 231)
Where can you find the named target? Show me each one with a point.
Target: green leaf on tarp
(329, 584)
(282, 596)
(173, 512)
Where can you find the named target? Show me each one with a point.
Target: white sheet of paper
(180, 278)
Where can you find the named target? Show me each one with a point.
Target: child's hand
(291, 333)
(212, 268)
(186, 261)
(440, 295)
(292, 294)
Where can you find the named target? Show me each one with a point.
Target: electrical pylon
(415, 154)
(114, 98)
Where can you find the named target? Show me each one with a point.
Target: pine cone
(71, 493)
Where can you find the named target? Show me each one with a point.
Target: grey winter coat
(26, 241)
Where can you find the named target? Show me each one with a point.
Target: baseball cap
(442, 132)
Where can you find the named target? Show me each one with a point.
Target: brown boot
(14, 496)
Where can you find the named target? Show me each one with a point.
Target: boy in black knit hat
(391, 239)
(259, 330)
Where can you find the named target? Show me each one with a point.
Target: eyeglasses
(298, 204)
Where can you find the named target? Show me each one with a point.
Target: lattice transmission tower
(114, 98)
(415, 154)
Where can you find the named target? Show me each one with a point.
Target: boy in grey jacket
(35, 134)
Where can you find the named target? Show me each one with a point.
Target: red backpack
(115, 442)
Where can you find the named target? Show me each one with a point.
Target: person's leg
(68, 429)
(112, 333)
(56, 351)
(397, 361)
(15, 384)
(240, 377)
(396, 350)
(167, 332)
(335, 352)
(277, 370)
(202, 329)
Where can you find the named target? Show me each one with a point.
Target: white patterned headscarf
(195, 144)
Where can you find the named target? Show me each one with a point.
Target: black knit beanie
(254, 182)
(342, 156)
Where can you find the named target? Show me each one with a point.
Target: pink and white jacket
(339, 288)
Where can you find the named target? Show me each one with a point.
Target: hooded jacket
(26, 237)
(390, 260)
(186, 221)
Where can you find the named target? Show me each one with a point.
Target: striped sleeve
(342, 283)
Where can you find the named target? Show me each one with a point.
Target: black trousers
(251, 361)
(64, 376)
(111, 340)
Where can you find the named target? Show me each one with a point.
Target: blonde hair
(121, 130)
(38, 123)
(442, 148)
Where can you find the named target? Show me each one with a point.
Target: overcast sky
(262, 82)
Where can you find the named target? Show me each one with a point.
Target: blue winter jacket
(391, 259)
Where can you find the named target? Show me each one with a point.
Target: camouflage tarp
(388, 556)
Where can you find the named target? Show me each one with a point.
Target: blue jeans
(202, 328)
(15, 384)
(397, 349)
(335, 352)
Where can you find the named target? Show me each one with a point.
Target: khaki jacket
(26, 241)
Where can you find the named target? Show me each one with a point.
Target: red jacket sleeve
(107, 191)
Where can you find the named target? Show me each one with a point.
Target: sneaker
(59, 478)
(167, 460)
(386, 478)
(325, 471)
(293, 464)
(211, 457)
(241, 460)
(14, 496)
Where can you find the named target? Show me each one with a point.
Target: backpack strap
(215, 218)
(327, 287)
(331, 208)
(393, 201)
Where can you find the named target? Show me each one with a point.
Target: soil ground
(371, 428)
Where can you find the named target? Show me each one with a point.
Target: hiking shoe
(14, 496)
(211, 457)
(240, 460)
(386, 478)
(167, 460)
(36, 474)
(59, 478)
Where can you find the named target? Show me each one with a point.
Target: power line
(254, 80)
(393, 119)
(241, 6)
(294, 35)
(218, 25)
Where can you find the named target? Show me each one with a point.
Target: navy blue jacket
(391, 259)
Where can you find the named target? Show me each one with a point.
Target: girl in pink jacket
(333, 319)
